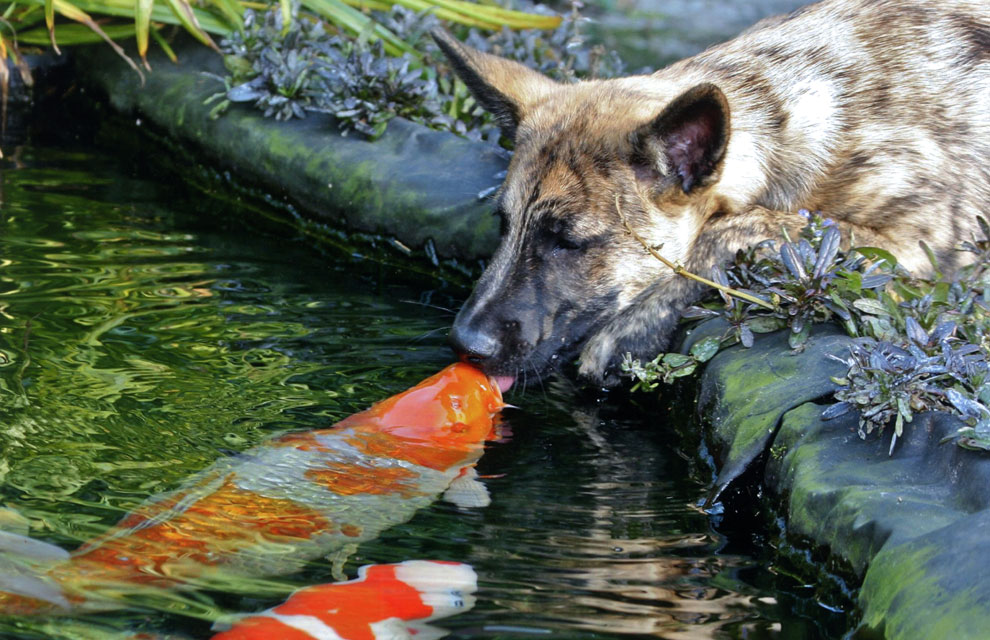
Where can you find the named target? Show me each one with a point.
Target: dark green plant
(287, 72)
(921, 345)
(290, 70)
(921, 372)
(561, 53)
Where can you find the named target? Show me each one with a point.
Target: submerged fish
(278, 505)
(385, 602)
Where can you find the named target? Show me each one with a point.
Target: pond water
(147, 330)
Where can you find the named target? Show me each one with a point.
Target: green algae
(933, 586)
(908, 525)
(746, 391)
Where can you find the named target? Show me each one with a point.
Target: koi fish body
(294, 498)
(385, 602)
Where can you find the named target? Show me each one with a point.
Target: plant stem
(681, 271)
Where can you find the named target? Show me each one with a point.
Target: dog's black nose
(472, 344)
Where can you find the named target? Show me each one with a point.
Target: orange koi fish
(385, 602)
(278, 505)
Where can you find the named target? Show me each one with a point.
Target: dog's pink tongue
(504, 382)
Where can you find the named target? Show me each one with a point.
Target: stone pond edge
(912, 527)
(422, 190)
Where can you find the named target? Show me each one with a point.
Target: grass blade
(50, 23)
(164, 45)
(72, 34)
(74, 13)
(4, 87)
(356, 22)
(142, 24)
(160, 13)
(499, 16)
(468, 13)
(187, 17)
(286, 7)
(232, 11)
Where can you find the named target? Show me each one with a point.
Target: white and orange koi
(278, 505)
(385, 602)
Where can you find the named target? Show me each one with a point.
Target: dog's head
(590, 158)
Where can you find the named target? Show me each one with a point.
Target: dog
(874, 112)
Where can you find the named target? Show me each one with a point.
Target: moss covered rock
(913, 525)
(745, 392)
(418, 186)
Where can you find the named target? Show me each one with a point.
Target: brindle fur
(875, 112)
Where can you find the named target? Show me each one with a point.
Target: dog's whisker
(430, 306)
(426, 334)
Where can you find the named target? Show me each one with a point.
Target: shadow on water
(146, 330)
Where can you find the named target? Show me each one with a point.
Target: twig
(681, 271)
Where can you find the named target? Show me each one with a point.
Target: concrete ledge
(414, 184)
(914, 526)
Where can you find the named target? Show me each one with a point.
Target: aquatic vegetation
(920, 345)
(287, 69)
(893, 380)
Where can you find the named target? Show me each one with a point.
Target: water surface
(147, 330)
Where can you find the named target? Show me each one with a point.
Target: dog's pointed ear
(503, 87)
(688, 139)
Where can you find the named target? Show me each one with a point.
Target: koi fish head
(450, 412)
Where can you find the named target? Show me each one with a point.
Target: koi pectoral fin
(31, 550)
(23, 562)
(467, 491)
(339, 558)
(21, 581)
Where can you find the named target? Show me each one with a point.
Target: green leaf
(905, 291)
(940, 292)
(798, 339)
(903, 409)
(871, 306)
(70, 34)
(681, 372)
(165, 46)
(126, 9)
(676, 359)
(765, 324)
(973, 444)
(142, 24)
(286, 7)
(73, 12)
(704, 350)
(184, 12)
(50, 23)
(851, 281)
(876, 253)
(356, 22)
(931, 258)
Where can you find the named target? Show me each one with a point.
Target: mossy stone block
(744, 392)
(934, 586)
(413, 184)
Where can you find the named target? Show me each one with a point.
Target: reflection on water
(144, 334)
